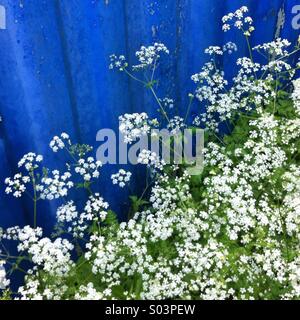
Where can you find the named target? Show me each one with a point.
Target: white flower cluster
(231, 191)
(211, 50)
(88, 292)
(165, 197)
(148, 56)
(67, 213)
(176, 125)
(60, 142)
(296, 95)
(16, 185)
(275, 48)
(258, 91)
(56, 186)
(133, 126)
(248, 90)
(30, 161)
(230, 47)
(95, 210)
(121, 178)
(162, 278)
(238, 20)
(280, 67)
(32, 290)
(4, 282)
(88, 168)
(167, 103)
(211, 88)
(151, 159)
(26, 236)
(46, 187)
(118, 62)
(52, 257)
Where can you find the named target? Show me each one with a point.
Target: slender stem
(151, 89)
(188, 109)
(275, 97)
(134, 78)
(145, 190)
(89, 189)
(250, 52)
(28, 194)
(34, 214)
(288, 71)
(153, 71)
(15, 267)
(283, 57)
(219, 139)
(249, 48)
(248, 117)
(4, 248)
(35, 199)
(159, 103)
(72, 156)
(7, 256)
(287, 55)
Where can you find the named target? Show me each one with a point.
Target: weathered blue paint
(55, 77)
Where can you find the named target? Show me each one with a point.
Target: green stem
(35, 199)
(250, 52)
(159, 103)
(188, 109)
(249, 48)
(34, 214)
(275, 98)
(134, 78)
(286, 56)
(223, 143)
(151, 89)
(153, 71)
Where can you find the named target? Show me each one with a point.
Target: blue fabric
(55, 77)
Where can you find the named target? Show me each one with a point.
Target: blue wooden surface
(54, 57)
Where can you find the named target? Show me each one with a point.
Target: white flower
(67, 212)
(30, 161)
(277, 48)
(150, 159)
(118, 62)
(56, 186)
(16, 185)
(88, 292)
(121, 178)
(60, 142)
(238, 20)
(167, 103)
(214, 50)
(95, 208)
(88, 168)
(296, 95)
(4, 282)
(54, 257)
(133, 126)
(176, 124)
(148, 56)
(229, 47)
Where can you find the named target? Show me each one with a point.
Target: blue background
(54, 58)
